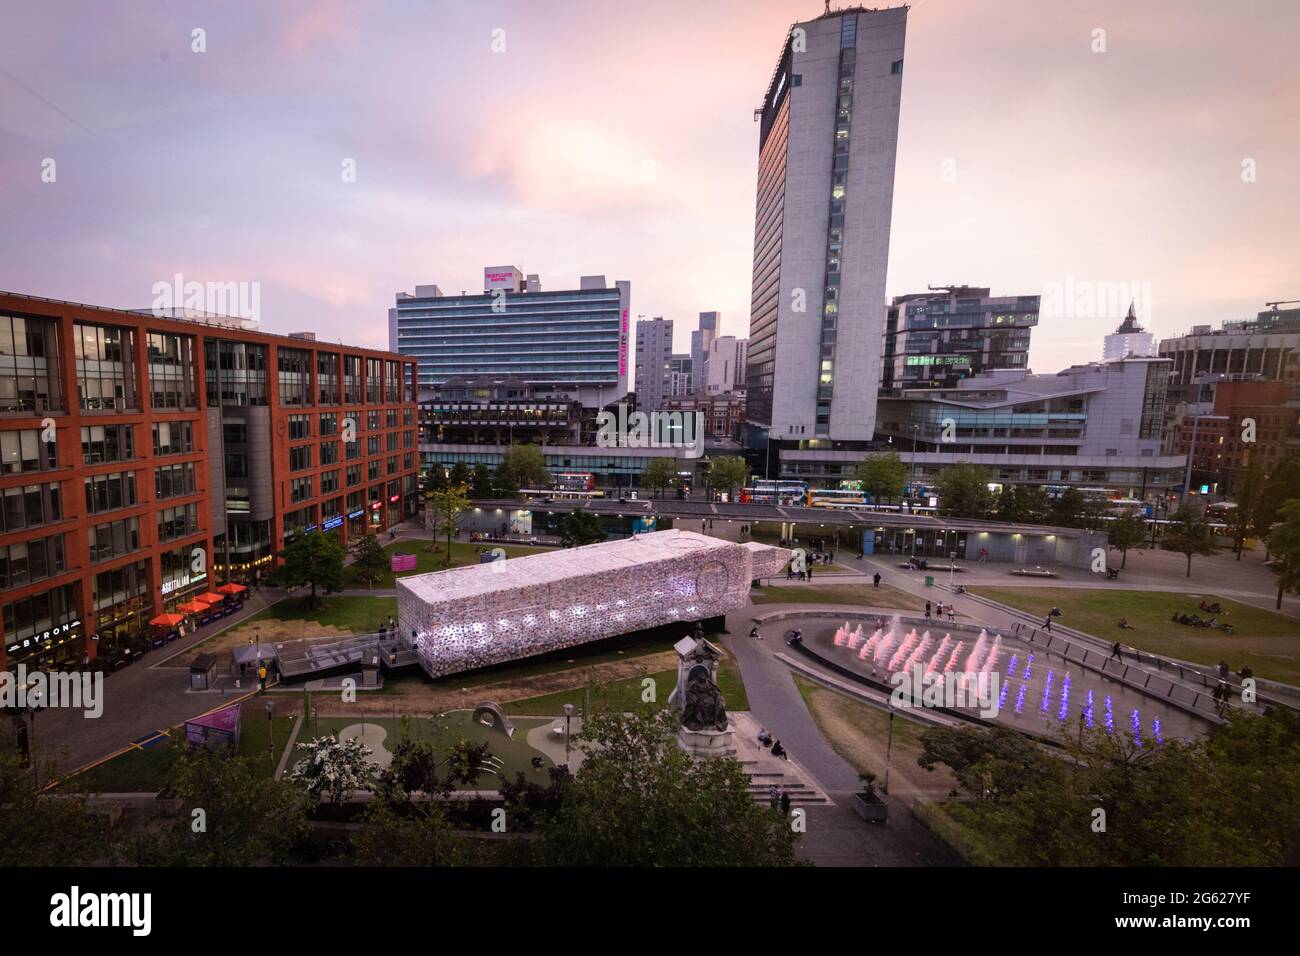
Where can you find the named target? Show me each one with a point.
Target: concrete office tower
(572, 341)
(654, 351)
(701, 339)
(1128, 340)
(827, 141)
(725, 365)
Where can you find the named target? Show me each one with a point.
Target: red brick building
(144, 460)
(1263, 411)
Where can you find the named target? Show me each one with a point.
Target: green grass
(625, 694)
(147, 770)
(861, 595)
(462, 553)
(356, 614)
(1267, 642)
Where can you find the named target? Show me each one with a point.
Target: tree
(524, 466)
(1284, 543)
(1242, 519)
(658, 474)
(315, 559)
(1190, 534)
(640, 800)
(38, 829)
(964, 491)
(1068, 510)
(445, 509)
(1031, 500)
(481, 482)
(1282, 485)
(369, 560)
(333, 769)
(1127, 531)
(883, 476)
(580, 527)
(435, 479)
(459, 475)
(728, 473)
(247, 818)
(1008, 504)
(1203, 803)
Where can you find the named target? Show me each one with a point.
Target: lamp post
(270, 727)
(568, 718)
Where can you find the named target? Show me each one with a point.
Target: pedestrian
(1223, 670)
(785, 804)
(779, 751)
(774, 797)
(1047, 624)
(938, 610)
(952, 613)
(753, 633)
(875, 579)
(261, 675)
(927, 610)
(1115, 653)
(808, 572)
(789, 572)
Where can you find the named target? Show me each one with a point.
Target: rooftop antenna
(827, 12)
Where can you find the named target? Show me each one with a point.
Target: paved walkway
(836, 835)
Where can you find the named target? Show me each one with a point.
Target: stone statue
(705, 708)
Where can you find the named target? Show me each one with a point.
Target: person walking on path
(785, 804)
(875, 580)
(1115, 653)
(261, 675)
(774, 797)
(952, 613)
(927, 610)
(1047, 624)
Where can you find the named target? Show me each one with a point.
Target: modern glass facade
(576, 337)
(937, 339)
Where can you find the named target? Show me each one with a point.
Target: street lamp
(270, 726)
(568, 718)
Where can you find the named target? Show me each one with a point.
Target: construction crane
(1274, 305)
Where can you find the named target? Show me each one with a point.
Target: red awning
(193, 607)
(167, 620)
(212, 597)
(232, 589)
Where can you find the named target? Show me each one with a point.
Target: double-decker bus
(767, 491)
(573, 481)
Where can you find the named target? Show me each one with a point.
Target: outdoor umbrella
(193, 607)
(232, 588)
(210, 597)
(167, 620)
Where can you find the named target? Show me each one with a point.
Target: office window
(300, 489)
(329, 452)
(107, 443)
(23, 450)
(300, 458)
(109, 492)
(177, 522)
(173, 438)
(299, 427)
(295, 376)
(30, 506)
(374, 380)
(171, 370)
(31, 561)
(352, 379)
(113, 539)
(29, 365)
(105, 367)
(173, 481)
(329, 482)
(327, 378)
(236, 373)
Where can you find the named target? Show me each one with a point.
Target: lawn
(859, 595)
(356, 615)
(1267, 642)
(859, 733)
(147, 770)
(462, 553)
(625, 694)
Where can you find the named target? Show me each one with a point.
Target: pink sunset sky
(618, 139)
